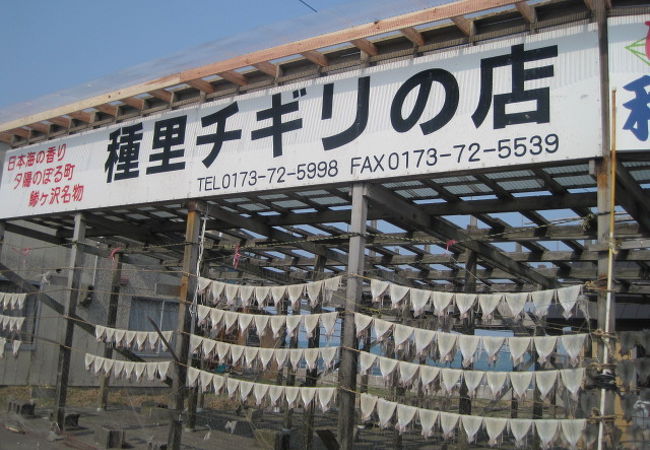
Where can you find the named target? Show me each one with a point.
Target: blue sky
(48, 46)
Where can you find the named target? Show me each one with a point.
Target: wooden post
(349, 357)
(69, 310)
(312, 375)
(188, 287)
(111, 320)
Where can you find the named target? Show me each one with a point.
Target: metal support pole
(465, 403)
(188, 287)
(349, 357)
(69, 310)
(111, 320)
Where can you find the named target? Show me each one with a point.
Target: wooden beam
(22, 132)
(134, 102)
(316, 57)
(111, 110)
(82, 116)
(202, 85)
(40, 127)
(6, 138)
(61, 121)
(234, 77)
(465, 25)
(632, 197)
(162, 94)
(366, 46)
(413, 35)
(370, 29)
(527, 11)
(268, 68)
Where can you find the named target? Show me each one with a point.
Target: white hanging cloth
(546, 430)
(441, 301)
(278, 293)
(492, 345)
(385, 411)
(494, 426)
(223, 350)
(471, 425)
(232, 291)
(89, 359)
(216, 316)
(519, 429)
(419, 300)
(330, 286)
(328, 322)
(448, 422)
(472, 380)
(206, 379)
(328, 354)
(423, 339)
(518, 346)
(450, 378)
(326, 396)
(401, 334)
(100, 333)
(544, 346)
(129, 338)
(464, 302)
(367, 405)
(203, 284)
(229, 320)
(405, 415)
(245, 388)
(295, 356)
(139, 370)
(192, 376)
(244, 321)
(314, 292)
(488, 303)
(250, 355)
(208, 347)
(232, 386)
(217, 383)
(295, 293)
(275, 393)
(120, 334)
(567, 298)
(277, 322)
(468, 344)
(366, 360)
(307, 395)
(311, 322)
(246, 295)
(446, 345)
(573, 344)
(361, 323)
(387, 366)
(311, 355)
(118, 367)
(572, 431)
(262, 294)
(542, 301)
(202, 313)
(261, 322)
(520, 382)
(236, 352)
(281, 355)
(572, 380)
(293, 322)
(259, 391)
(291, 394)
(428, 374)
(215, 291)
(516, 302)
(377, 289)
(397, 293)
(195, 342)
(407, 371)
(544, 381)
(381, 327)
(496, 381)
(428, 419)
(265, 355)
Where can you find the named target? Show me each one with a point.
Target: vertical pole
(464, 402)
(188, 287)
(605, 202)
(70, 309)
(348, 367)
(111, 320)
(312, 375)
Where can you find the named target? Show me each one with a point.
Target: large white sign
(529, 99)
(629, 74)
